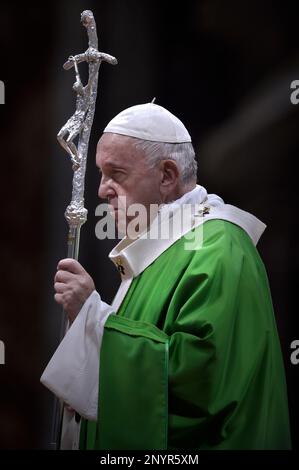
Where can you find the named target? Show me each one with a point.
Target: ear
(169, 174)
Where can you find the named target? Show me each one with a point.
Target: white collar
(132, 257)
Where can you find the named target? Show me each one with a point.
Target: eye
(118, 175)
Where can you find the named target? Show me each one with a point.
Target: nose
(106, 190)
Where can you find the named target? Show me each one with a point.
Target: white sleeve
(73, 372)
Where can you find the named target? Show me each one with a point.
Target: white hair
(183, 154)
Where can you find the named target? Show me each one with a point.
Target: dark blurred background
(224, 68)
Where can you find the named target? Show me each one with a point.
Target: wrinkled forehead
(117, 149)
(111, 138)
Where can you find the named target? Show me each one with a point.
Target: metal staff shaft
(58, 407)
(72, 252)
(73, 242)
(79, 124)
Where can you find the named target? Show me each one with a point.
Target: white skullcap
(149, 122)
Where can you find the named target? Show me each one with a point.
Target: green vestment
(192, 359)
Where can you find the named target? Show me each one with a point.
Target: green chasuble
(192, 359)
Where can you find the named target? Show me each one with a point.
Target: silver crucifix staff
(79, 125)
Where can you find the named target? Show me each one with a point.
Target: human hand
(73, 285)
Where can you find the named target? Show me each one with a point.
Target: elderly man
(188, 355)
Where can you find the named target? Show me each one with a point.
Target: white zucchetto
(149, 122)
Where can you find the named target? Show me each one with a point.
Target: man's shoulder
(208, 246)
(224, 230)
(226, 252)
(214, 235)
(225, 240)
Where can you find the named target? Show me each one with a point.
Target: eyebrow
(113, 166)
